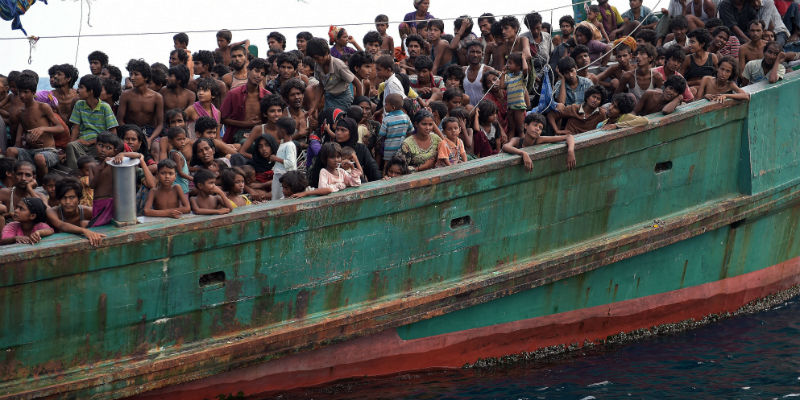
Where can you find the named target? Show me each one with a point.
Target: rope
(80, 29)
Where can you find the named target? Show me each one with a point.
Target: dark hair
(181, 74)
(112, 88)
(287, 58)
(203, 124)
(757, 21)
(439, 108)
(69, 71)
(532, 19)
(516, 58)
(294, 83)
(459, 112)
(113, 72)
(270, 101)
(566, 64)
(510, 20)
(436, 23)
(454, 71)
(173, 132)
(225, 34)
(734, 66)
(712, 23)
(448, 120)
(139, 66)
(578, 50)
(473, 43)
(239, 47)
(98, 55)
(220, 69)
(171, 113)
(204, 57)
(36, 206)
(158, 76)
(51, 177)
(423, 62)
(92, 84)
(458, 21)
(208, 84)
(202, 176)
(678, 22)
(183, 58)
(355, 112)
(83, 161)
(400, 161)
(287, 124)
(305, 35)
(258, 63)
(143, 148)
(295, 180)
(701, 36)
(372, 37)
(23, 163)
(166, 163)
(649, 49)
(113, 140)
(535, 117)
(584, 31)
(421, 115)
(568, 19)
(595, 89)
(6, 167)
(719, 29)
(452, 93)
(358, 59)
(27, 82)
(181, 38)
(489, 17)
(381, 18)
(278, 37)
(228, 178)
(327, 151)
(416, 38)
(485, 79)
(677, 83)
(317, 47)
(647, 35)
(195, 152)
(674, 53)
(309, 62)
(385, 62)
(65, 185)
(624, 102)
(486, 109)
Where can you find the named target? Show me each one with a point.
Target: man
(473, 86)
(736, 15)
(141, 105)
(754, 49)
(241, 110)
(175, 94)
(97, 60)
(276, 42)
(239, 75)
(10, 108)
(203, 63)
(287, 69)
(415, 46)
(293, 92)
(582, 117)
(497, 53)
(541, 40)
(666, 100)
(643, 78)
(770, 67)
(62, 79)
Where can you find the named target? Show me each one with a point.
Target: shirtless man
(415, 46)
(141, 106)
(642, 78)
(241, 110)
(611, 77)
(175, 94)
(239, 75)
(666, 100)
(62, 79)
(754, 49)
(293, 92)
(497, 53)
(10, 107)
(38, 124)
(203, 63)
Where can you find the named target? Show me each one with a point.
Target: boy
(372, 43)
(177, 140)
(181, 43)
(580, 54)
(517, 98)
(141, 105)
(175, 94)
(666, 100)
(241, 110)
(642, 78)
(334, 77)
(207, 127)
(674, 57)
(387, 42)
(97, 60)
(610, 78)
(425, 83)
(210, 199)
(224, 45)
(582, 117)
(678, 25)
(101, 178)
(203, 64)
(496, 54)
(302, 41)
(287, 69)
(570, 87)
(167, 199)
(363, 66)
(534, 126)
(395, 126)
(620, 113)
(38, 124)
(441, 53)
(384, 70)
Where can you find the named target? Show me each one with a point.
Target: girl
(29, 224)
(332, 178)
(232, 182)
(69, 216)
(266, 147)
(488, 135)
(701, 63)
(286, 157)
(133, 136)
(49, 184)
(420, 149)
(207, 91)
(723, 85)
(451, 148)
(351, 165)
(397, 166)
(203, 151)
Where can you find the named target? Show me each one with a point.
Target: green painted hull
(708, 194)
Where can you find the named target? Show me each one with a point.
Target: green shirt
(93, 121)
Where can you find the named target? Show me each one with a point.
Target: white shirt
(288, 153)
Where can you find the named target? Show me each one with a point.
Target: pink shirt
(338, 181)
(14, 229)
(687, 94)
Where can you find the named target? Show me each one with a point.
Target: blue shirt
(574, 96)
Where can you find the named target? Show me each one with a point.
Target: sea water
(751, 356)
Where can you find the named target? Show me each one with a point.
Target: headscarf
(261, 164)
(352, 127)
(627, 40)
(333, 33)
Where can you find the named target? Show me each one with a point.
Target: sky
(63, 17)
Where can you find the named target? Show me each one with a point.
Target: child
(451, 148)
(334, 77)
(233, 183)
(49, 184)
(85, 165)
(332, 178)
(534, 125)
(722, 85)
(293, 182)
(286, 157)
(381, 25)
(210, 199)
(29, 224)
(69, 216)
(90, 117)
(395, 126)
(224, 45)
(665, 100)
(252, 187)
(206, 127)
(167, 199)
(395, 167)
(177, 139)
(619, 114)
(176, 118)
(351, 165)
(487, 133)
(24, 186)
(516, 93)
(101, 178)
(207, 93)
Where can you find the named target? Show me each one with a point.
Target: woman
(420, 149)
(203, 151)
(346, 134)
(339, 39)
(420, 14)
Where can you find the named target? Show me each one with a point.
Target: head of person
(218, 71)
(293, 182)
(238, 57)
(139, 72)
(454, 76)
(203, 152)
(293, 92)
(453, 97)
(646, 36)
(286, 127)
(111, 91)
(26, 86)
(514, 63)
(489, 81)
(771, 52)
(699, 40)
(346, 131)
(568, 68)
(302, 40)
(49, 183)
(485, 22)
(721, 34)
(623, 54)
(645, 55)
(534, 125)
(272, 108)
(276, 41)
(224, 38)
(593, 13)
(384, 67)
(593, 97)
(422, 6)
(257, 69)
(582, 34)
(580, 54)
(205, 181)
(287, 65)
(435, 30)
(318, 50)
(203, 61)
(674, 87)
(679, 25)
(330, 155)
(510, 26)
(674, 56)
(90, 87)
(68, 193)
(423, 122)
(727, 69)
(206, 127)
(534, 23)
(372, 42)
(31, 210)
(133, 136)
(265, 146)
(487, 112)
(393, 102)
(178, 57)
(180, 41)
(108, 145)
(768, 35)
(166, 171)
(755, 29)
(382, 23)
(24, 174)
(177, 77)
(451, 128)
(396, 166)
(175, 117)
(85, 164)
(207, 90)
(567, 25)
(232, 180)
(97, 60)
(621, 103)
(177, 137)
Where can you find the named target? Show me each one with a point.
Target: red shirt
(233, 108)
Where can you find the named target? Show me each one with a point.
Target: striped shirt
(515, 89)
(91, 122)
(396, 125)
